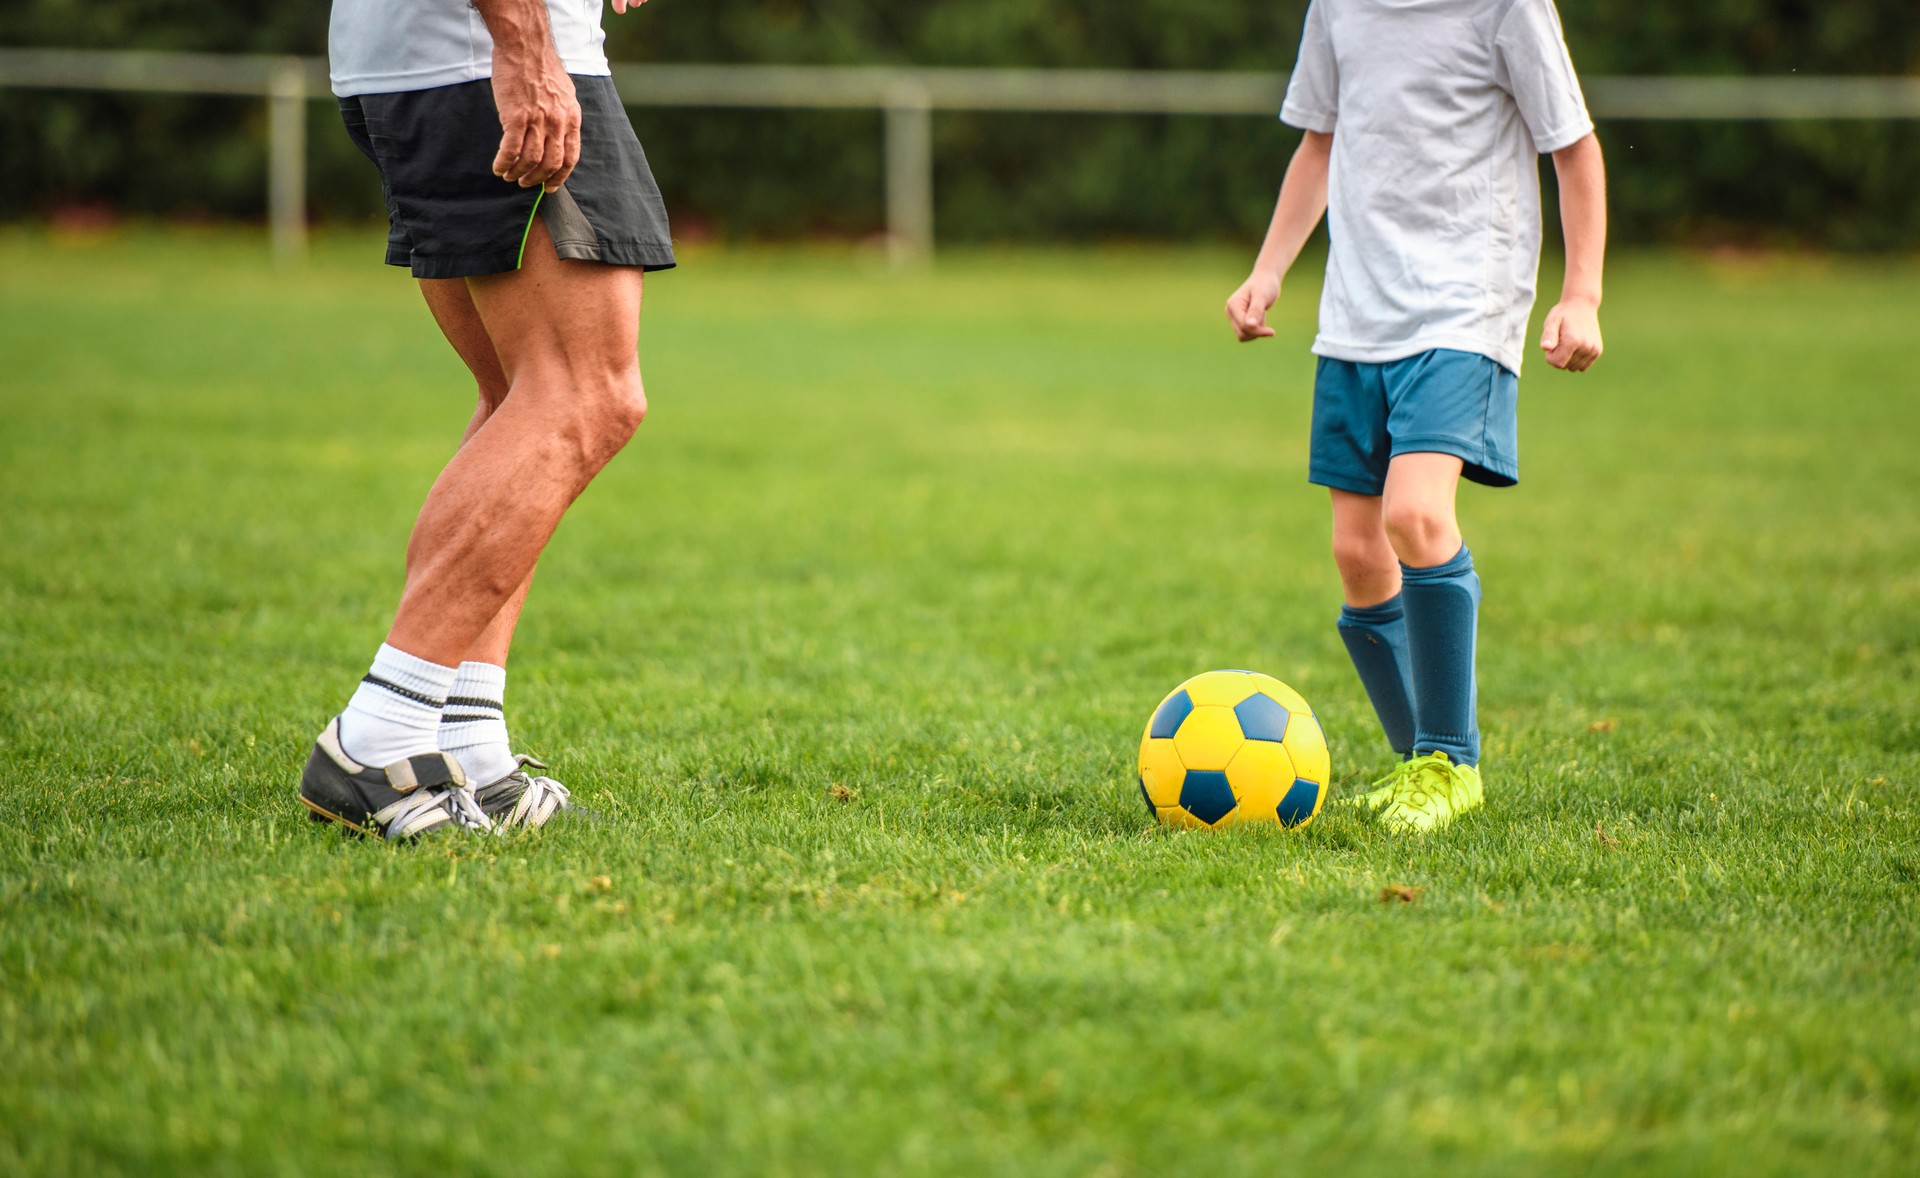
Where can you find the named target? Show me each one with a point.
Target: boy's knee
(1422, 533)
(1359, 556)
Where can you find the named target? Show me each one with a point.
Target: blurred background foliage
(753, 174)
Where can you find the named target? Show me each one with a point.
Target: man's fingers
(1550, 337)
(570, 156)
(513, 137)
(553, 157)
(525, 153)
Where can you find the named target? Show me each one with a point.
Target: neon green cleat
(1427, 793)
(1382, 791)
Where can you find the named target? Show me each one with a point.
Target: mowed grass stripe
(942, 541)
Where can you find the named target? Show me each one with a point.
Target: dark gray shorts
(451, 217)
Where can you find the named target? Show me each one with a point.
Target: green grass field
(853, 648)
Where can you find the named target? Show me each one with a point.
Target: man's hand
(1572, 336)
(539, 112)
(1247, 309)
(624, 6)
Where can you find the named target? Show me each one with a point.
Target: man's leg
(1441, 595)
(473, 727)
(566, 336)
(1372, 623)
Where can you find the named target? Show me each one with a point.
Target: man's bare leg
(452, 306)
(473, 726)
(566, 336)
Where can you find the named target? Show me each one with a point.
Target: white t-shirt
(386, 46)
(1437, 110)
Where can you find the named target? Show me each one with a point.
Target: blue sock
(1376, 638)
(1443, 618)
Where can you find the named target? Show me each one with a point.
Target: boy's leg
(1441, 596)
(1372, 623)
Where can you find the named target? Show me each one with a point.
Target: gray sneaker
(405, 800)
(520, 800)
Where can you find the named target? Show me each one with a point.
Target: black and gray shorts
(453, 218)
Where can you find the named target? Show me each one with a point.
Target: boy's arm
(1572, 336)
(1303, 201)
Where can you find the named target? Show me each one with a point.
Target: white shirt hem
(354, 86)
(1355, 353)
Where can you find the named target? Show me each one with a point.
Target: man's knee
(607, 412)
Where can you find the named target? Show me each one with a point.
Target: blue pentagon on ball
(1263, 718)
(1169, 715)
(1206, 795)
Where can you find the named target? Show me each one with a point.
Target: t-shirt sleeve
(1313, 94)
(1534, 66)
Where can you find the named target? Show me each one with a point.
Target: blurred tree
(766, 173)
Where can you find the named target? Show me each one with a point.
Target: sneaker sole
(320, 813)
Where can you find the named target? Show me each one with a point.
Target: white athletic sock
(474, 726)
(395, 713)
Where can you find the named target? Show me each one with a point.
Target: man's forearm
(1582, 173)
(1303, 201)
(517, 26)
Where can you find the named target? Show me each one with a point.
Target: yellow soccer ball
(1234, 746)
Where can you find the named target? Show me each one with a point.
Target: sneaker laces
(538, 798)
(466, 810)
(403, 818)
(1413, 789)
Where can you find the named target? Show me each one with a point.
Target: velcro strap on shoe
(428, 769)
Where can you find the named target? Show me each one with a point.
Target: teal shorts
(1439, 402)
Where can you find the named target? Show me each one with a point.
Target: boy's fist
(1247, 309)
(1572, 337)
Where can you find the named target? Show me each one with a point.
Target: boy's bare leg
(1440, 595)
(1372, 623)
(1419, 508)
(566, 336)
(1369, 569)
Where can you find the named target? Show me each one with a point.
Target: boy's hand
(627, 5)
(1572, 337)
(1247, 309)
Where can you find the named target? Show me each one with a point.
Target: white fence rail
(908, 97)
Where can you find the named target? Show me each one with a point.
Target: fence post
(287, 160)
(909, 173)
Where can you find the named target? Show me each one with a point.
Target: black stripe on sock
(474, 701)
(404, 692)
(446, 719)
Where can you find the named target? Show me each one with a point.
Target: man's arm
(1572, 336)
(539, 112)
(1303, 201)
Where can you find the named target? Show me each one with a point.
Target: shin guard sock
(395, 713)
(474, 726)
(1376, 638)
(1442, 605)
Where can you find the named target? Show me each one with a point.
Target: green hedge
(1002, 176)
